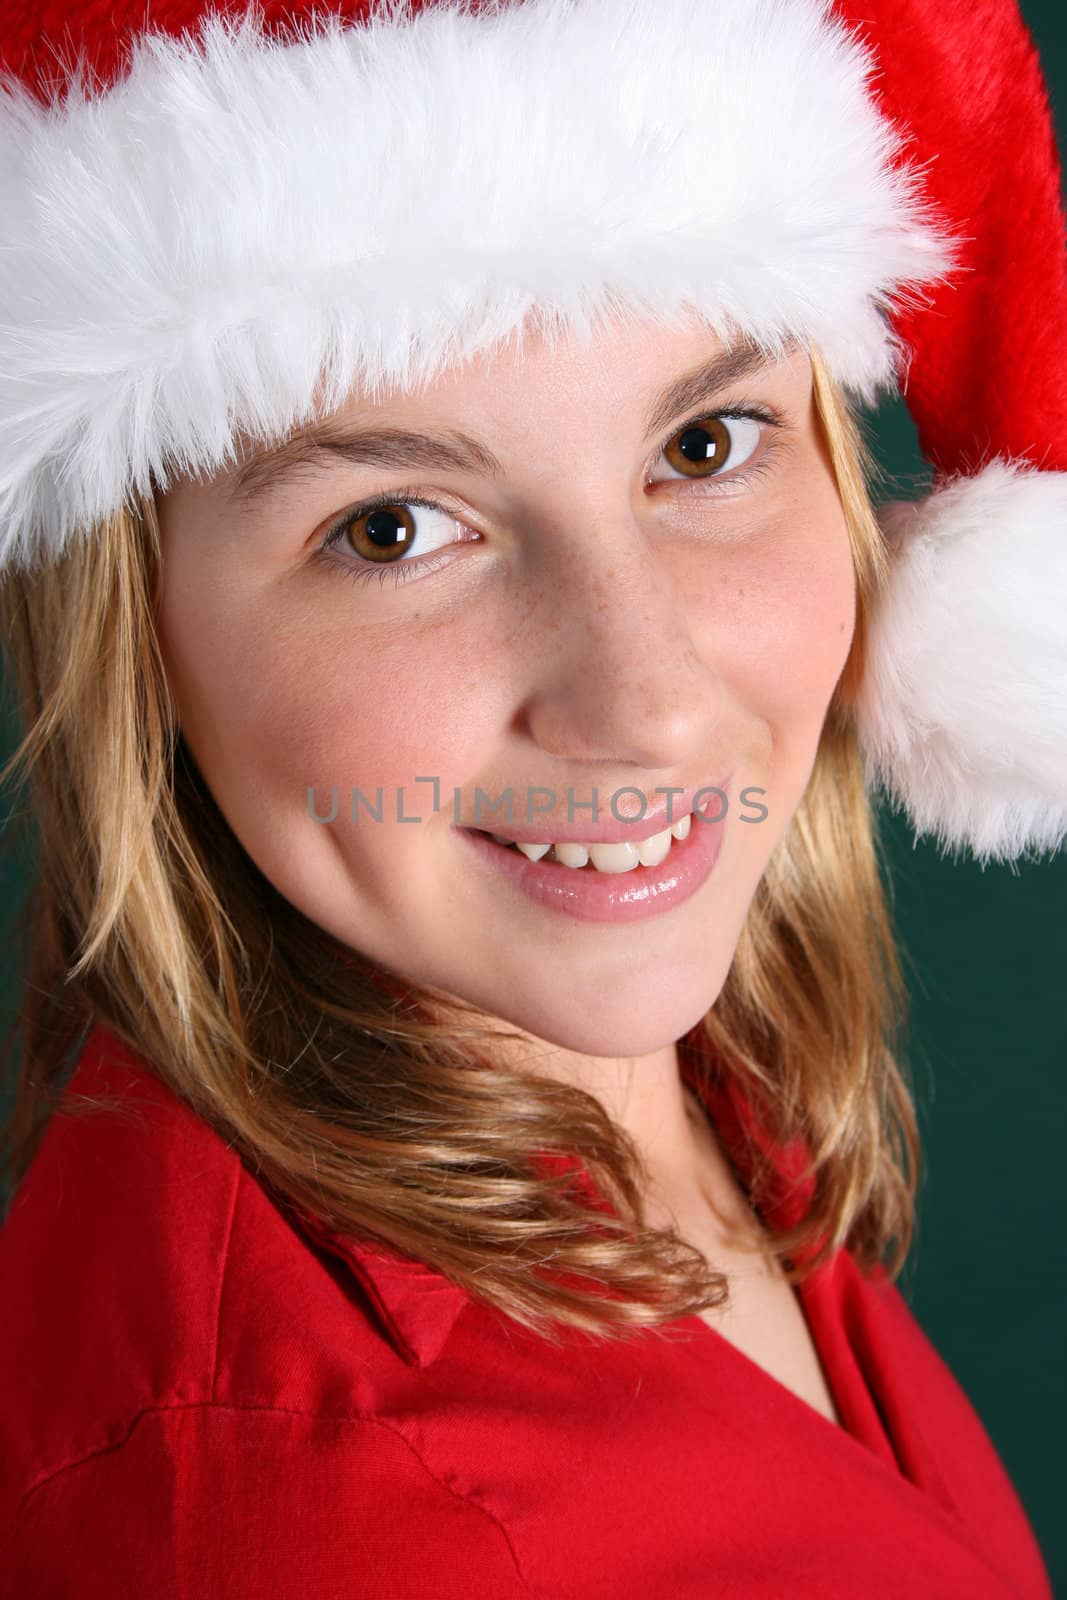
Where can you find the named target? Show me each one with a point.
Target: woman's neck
(644, 1095)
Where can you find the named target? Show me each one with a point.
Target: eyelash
(398, 570)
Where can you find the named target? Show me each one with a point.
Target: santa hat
(203, 214)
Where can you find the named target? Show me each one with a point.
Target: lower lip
(594, 896)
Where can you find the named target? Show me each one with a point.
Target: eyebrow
(455, 451)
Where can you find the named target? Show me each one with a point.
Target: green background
(983, 950)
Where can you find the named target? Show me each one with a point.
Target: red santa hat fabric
(220, 221)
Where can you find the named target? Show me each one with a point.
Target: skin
(617, 623)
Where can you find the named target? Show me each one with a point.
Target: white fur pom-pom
(962, 715)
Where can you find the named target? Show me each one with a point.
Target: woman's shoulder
(196, 1393)
(146, 1270)
(112, 1257)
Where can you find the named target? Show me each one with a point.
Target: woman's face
(622, 603)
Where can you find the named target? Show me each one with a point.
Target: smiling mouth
(601, 857)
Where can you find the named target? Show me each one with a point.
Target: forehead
(264, 467)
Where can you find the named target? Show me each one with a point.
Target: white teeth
(622, 857)
(614, 857)
(533, 851)
(652, 851)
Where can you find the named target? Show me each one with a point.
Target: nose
(617, 677)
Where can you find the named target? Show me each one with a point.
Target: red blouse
(200, 1398)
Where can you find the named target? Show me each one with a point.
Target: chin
(630, 1022)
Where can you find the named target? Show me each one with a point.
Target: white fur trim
(240, 220)
(963, 709)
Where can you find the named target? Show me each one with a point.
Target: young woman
(460, 1143)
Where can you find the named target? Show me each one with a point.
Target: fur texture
(241, 230)
(987, 369)
(963, 709)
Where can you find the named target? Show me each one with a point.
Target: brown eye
(380, 534)
(384, 531)
(704, 449)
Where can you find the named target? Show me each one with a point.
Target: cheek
(273, 703)
(776, 615)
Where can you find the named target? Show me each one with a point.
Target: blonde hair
(359, 1105)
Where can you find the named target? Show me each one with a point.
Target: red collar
(416, 1304)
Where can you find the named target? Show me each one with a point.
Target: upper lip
(606, 829)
